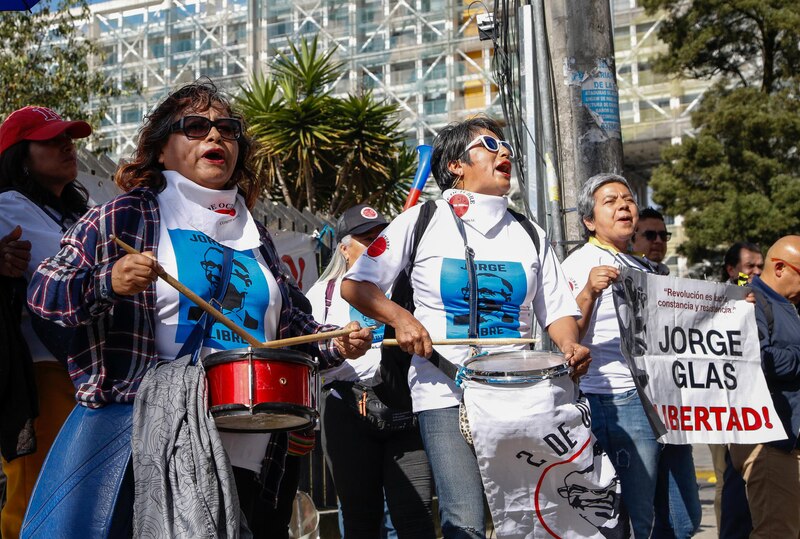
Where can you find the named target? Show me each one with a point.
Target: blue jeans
(659, 487)
(455, 473)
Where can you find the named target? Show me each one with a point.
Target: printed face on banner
(693, 348)
(377, 334)
(199, 260)
(544, 473)
(502, 287)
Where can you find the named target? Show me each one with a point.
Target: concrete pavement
(706, 482)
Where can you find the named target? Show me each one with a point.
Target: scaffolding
(423, 55)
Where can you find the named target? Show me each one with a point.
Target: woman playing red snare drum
(189, 186)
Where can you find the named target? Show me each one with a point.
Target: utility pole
(580, 34)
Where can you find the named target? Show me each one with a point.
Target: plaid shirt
(114, 344)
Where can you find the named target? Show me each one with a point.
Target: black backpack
(390, 382)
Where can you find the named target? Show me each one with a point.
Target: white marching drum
(543, 472)
(516, 367)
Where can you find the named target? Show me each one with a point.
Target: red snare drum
(261, 389)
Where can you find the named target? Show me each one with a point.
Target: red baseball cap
(38, 123)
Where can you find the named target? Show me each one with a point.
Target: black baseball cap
(358, 220)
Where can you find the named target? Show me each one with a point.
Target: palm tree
(319, 151)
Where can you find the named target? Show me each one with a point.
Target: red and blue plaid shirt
(114, 344)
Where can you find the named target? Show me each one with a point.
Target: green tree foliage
(319, 151)
(738, 177)
(748, 41)
(44, 60)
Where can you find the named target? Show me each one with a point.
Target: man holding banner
(772, 471)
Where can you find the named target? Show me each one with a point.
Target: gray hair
(586, 196)
(338, 265)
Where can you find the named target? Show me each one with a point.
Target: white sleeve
(45, 240)
(386, 257)
(316, 296)
(552, 299)
(576, 271)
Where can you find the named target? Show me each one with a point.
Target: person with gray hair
(367, 464)
(659, 488)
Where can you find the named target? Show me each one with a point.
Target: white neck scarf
(481, 212)
(220, 214)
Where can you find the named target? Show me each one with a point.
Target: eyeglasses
(650, 235)
(490, 143)
(795, 268)
(195, 127)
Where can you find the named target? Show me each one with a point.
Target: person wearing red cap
(40, 199)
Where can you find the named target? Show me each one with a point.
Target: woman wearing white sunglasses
(472, 165)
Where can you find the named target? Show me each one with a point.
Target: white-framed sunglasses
(490, 143)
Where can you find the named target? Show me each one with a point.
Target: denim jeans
(456, 474)
(659, 487)
(370, 466)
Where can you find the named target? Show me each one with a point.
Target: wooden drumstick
(200, 302)
(474, 342)
(314, 337)
(207, 307)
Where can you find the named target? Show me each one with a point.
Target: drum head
(515, 361)
(266, 417)
(515, 367)
(277, 354)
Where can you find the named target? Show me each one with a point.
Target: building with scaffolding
(424, 55)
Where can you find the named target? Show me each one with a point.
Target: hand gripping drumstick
(476, 342)
(227, 322)
(200, 302)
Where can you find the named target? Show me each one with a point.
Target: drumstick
(314, 337)
(200, 302)
(475, 342)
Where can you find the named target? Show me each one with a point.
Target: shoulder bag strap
(328, 298)
(469, 258)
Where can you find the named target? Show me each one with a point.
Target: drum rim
(521, 377)
(500, 355)
(274, 354)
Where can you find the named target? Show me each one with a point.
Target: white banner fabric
(694, 352)
(297, 251)
(543, 472)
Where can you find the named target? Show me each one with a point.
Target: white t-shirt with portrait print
(340, 314)
(195, 223)
(514, 282)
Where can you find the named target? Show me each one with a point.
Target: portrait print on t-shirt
(199, 260)
(366, 321)
(502, 287)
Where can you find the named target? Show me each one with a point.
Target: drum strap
(469, 257)
(194, 342)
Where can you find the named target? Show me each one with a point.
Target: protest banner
(693, 349)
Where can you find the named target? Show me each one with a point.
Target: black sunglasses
(650, 235)
(195, 127)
